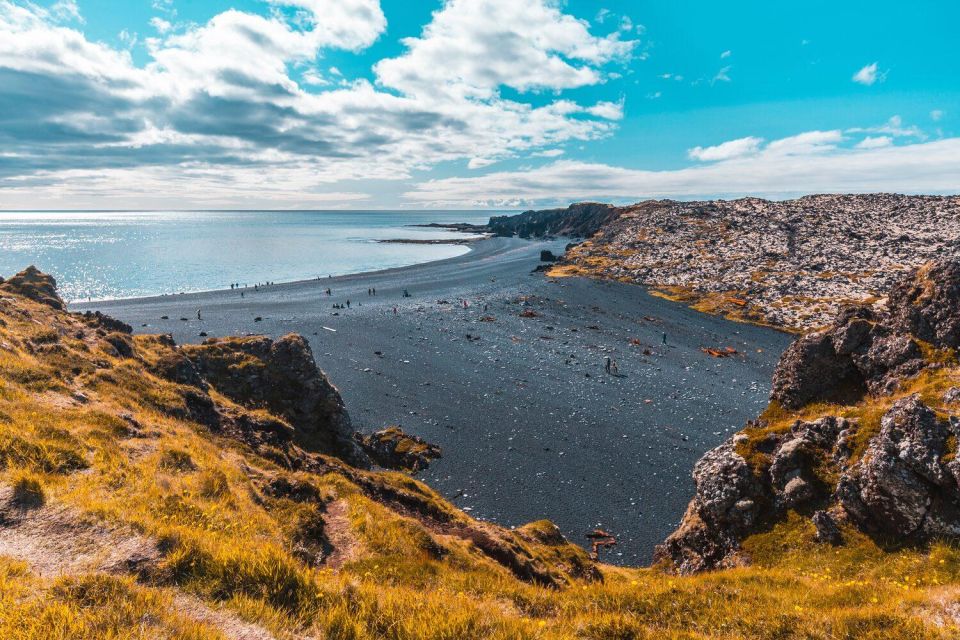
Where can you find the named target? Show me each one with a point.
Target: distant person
(614, 369)
(374, 291)
(198, 315)
(394, 311)
(241, 294)
(607, 364)
(664, 338)
(348, 304)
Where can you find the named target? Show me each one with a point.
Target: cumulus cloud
(725, 151)
(240, 96)
(473, 47)
(806, 163)
(869, 75)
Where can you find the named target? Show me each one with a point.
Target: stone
(827, 530)
(901, 487)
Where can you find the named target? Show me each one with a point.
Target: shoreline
(512, 385)
(469, 244)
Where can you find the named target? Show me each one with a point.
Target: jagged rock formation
(881, 456)
(790, 264)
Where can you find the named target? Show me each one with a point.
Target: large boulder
(282, 377)
(811, 370)
(904, 485)
(726, 504)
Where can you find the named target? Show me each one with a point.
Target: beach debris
(258, 319)
(600, 539)
(529, 313)
(635, 342)
(725, 352)
(184, 319)
(164, 317)
(329, 329)
(487, 319)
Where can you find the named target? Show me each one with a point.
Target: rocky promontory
(791, 264)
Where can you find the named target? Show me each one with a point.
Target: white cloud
(936, 115)
(726, 54)
(927, 167)
(892, 127)
(722, 76)
(875, 142)
(473, 47)
(66, 10)
(607, 110)
(548, 153)
(480, 163)
(345, 24)
(240, 97)
(869, 75)
(162, 26)
(806, 144)
(727, 150)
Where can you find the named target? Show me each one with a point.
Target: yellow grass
(224, 540)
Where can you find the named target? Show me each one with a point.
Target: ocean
(100, 255)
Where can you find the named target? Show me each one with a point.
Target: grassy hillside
(124, 514)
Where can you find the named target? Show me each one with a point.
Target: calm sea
(102, 255)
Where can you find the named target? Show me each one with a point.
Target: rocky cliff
(790, 264)
(861, 434)
(580, 220)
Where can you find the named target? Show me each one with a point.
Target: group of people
(372, 291)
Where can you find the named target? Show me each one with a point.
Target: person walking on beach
(394, 310)
(374, 291)
(198, 315)
(607, 363)
(664, 338)
(348, 304)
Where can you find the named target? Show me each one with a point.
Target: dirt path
(56, 540)
(336, 527)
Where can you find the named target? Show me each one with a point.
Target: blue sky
(471, 103)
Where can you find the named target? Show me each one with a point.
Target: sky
(466, 104)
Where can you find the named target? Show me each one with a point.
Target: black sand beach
(530, 423)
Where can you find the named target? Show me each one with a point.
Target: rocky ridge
(790, 264)
(861, 433)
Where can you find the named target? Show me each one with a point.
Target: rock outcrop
(790, 263)
(36, 285)
(393, 449)
(281, 377)
(580, 220)
(894, 476)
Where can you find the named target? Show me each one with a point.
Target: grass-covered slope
(139, 500)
